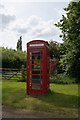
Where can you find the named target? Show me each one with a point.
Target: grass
(59, 97)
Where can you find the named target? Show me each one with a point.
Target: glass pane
(36, 57)
(36, 76)
(36, 81)
(35, 66)
(36, 62)
(36, 87)
(36, 72)
(36, 52)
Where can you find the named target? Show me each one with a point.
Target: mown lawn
(58, 98)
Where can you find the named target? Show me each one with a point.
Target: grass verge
(58, 98)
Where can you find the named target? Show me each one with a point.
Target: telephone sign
(36, 44)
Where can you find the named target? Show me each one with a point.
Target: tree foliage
(19, 44)
(70, 27)
(54, 49)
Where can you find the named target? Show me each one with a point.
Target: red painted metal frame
(44, 67)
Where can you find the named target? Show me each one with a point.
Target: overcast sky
(31, 20)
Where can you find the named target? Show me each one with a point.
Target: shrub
(12, 58)
(62, 79)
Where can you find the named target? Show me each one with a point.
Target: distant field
(58, 98)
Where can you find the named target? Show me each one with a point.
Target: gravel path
(22, 113)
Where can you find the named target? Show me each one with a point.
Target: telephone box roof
(39, 41)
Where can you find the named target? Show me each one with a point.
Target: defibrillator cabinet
(37, 67)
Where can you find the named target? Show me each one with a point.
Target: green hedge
(62, 79)
(12, 58)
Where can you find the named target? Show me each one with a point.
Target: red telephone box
(37, 67)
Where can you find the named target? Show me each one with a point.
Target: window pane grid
(35, 61)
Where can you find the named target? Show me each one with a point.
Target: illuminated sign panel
(33, 45)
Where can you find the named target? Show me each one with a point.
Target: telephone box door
(35, 70)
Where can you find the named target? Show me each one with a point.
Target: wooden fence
(13, 74)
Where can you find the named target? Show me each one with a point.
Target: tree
(70, 27)
(54, 49)
(19, 44)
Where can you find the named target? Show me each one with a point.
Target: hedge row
(12, 58)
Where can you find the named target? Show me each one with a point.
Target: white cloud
(1, 6)
(44, 29)
(37, 0)
(18, 26)
(34, 20)
(7, 10)
(9, 38)
(34, 27)
(7, 15)
(6, 19)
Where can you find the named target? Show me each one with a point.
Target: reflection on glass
(36, 81)
(36, 62)
(36, 57)
(35, 76)
(36, 52)
(35, 66)
(36, 72)
(36, 87)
